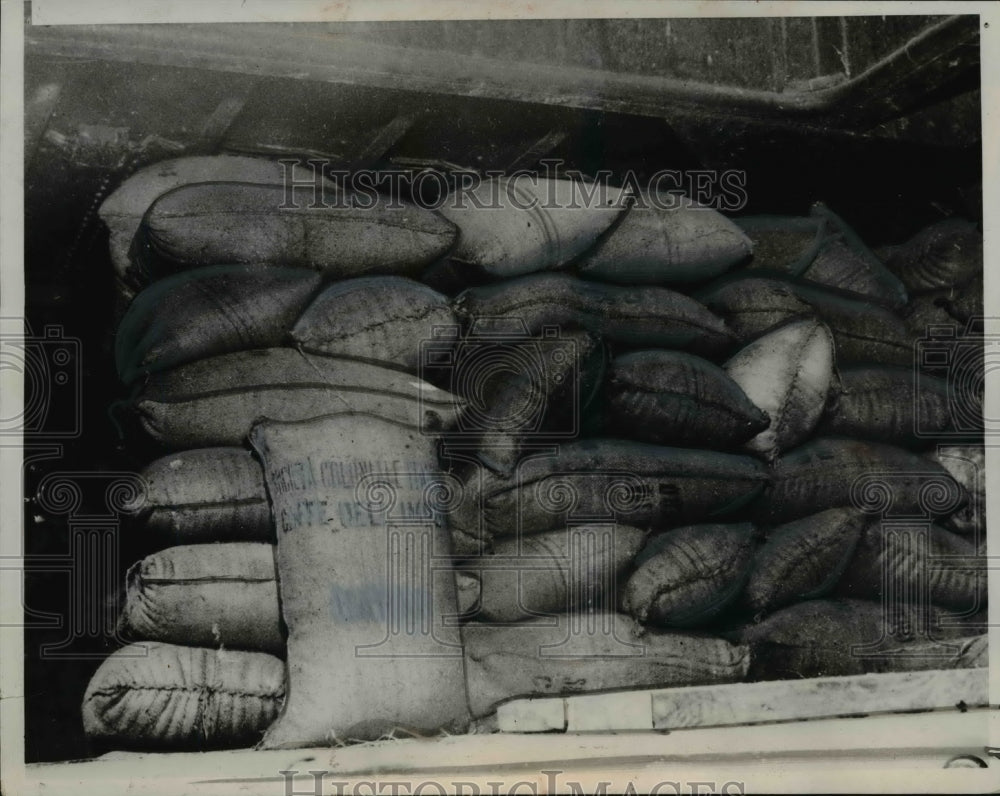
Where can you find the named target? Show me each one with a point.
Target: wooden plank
(532, 715)
(877, 743)
(630, 710)
(826, 697)
(748, 703)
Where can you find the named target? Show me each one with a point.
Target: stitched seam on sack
(679, 475)
(376, 324)
(708, 402)
(249, 501)
(795, 376)
(580, 304)
(209, 579)
(190, 397)
(363, 219)
(117, 690)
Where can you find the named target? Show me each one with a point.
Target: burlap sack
(364, 578)
(162, 695)
(576, 568)
(583, 653)
(205, 595)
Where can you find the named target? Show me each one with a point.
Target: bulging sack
(862, 331)
(828, 473)
(365, 577)
(666, 239)
(675, 398)
(210, 311)
(803, 559)
(787, 374)
(523, 224)
(948, 253)
(588, 652)
(215, 401)
(687, 576)
(204, 495)
(234, 222)
(822, 249)
(572, 569)
(967, 464)
(154, 695)
(930, 561)
(646, 486)
(834, 638)
(211, 595)
(380, 318)
(123, 210)
(888, 404)
(649, 317)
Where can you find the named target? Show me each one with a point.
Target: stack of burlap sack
(415, 463)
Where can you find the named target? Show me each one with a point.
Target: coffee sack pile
(651, 446)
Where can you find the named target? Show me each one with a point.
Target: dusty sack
(687, 576)
(803, 559)
(215, 401)
(212, 595)
(646, 486)
(828, 473)
(862, 331)
(831, 638)
(585, 653)
(232, 222)
(675, 398)
(123, 210)
(967, 464)
(153, 695)
(665, 239)
(888, 404)
(380, 318)
(520, 390)
(787, 374)
(204, 495)
(894, 560)
(571, 569)
(948, 253)
(210, 311)
(363, 596)
(822, 249)
(516, 226)
(637, 316)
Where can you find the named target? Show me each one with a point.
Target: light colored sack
(153, 695)
(365, 578)
(211, 595)
(204, 495)
(787, 373)
(584, 653)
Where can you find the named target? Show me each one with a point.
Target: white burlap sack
(162, 695)
(364, 578)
